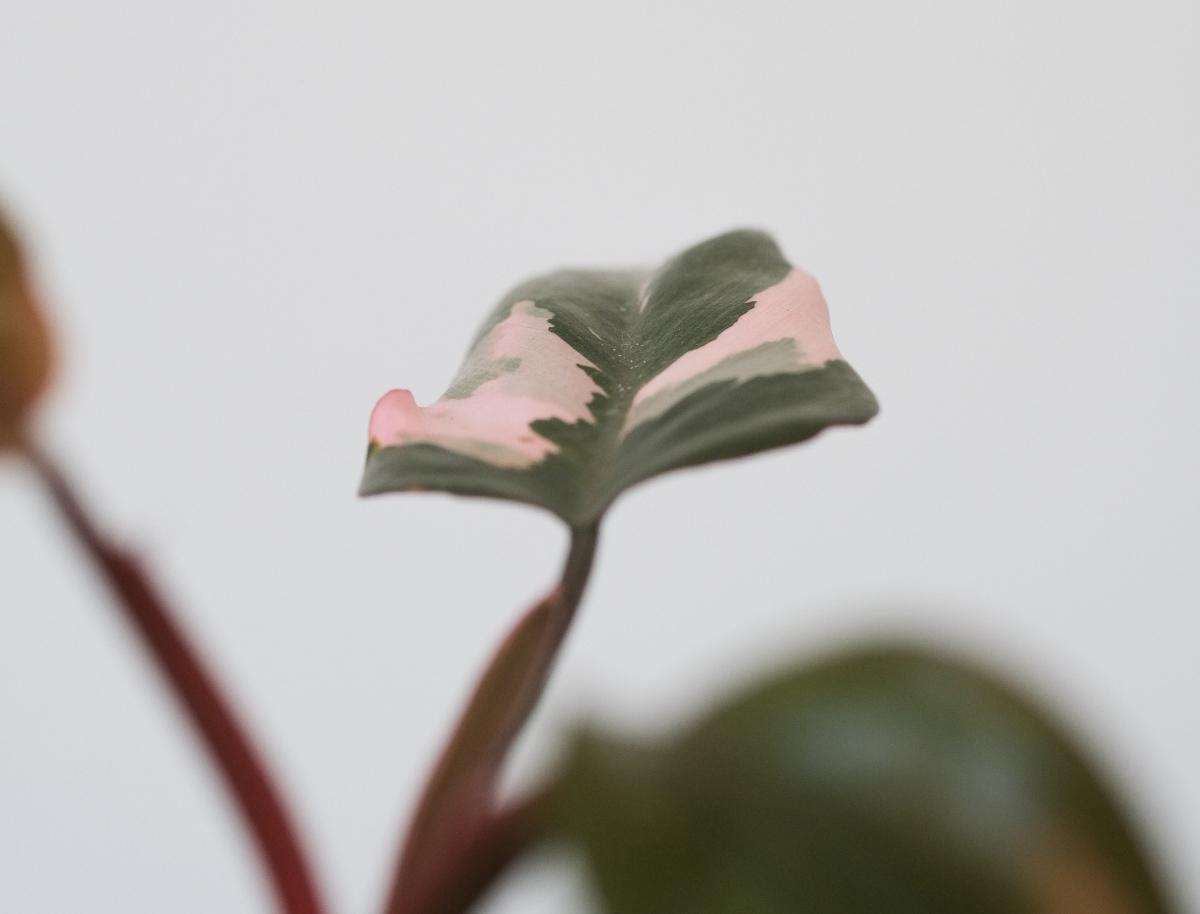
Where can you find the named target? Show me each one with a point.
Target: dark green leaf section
(888, 780)
(630, 326)
(730, 419)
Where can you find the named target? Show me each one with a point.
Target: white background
(252, 218)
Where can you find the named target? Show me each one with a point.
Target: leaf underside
(886, 780)
(582, 384)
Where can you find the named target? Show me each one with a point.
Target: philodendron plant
(884, 779)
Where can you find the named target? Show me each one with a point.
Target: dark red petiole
(245, 775)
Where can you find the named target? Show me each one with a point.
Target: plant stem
(470, 867)
(245, 775)
(459, 796)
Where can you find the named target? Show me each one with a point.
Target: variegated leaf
(581, 384)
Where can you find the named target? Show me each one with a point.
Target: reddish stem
(245, 775)
(470, 865)
(457, 804)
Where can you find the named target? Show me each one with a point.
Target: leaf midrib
(596, 485)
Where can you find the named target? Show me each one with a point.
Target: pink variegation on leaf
(517, 374)
(786, 330)
(584, 383)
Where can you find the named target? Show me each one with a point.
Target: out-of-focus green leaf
(25, 356)
(583, 383)
(883, 781)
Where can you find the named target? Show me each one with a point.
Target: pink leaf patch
(519, 373)
(786, 330)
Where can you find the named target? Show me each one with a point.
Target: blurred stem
(245, 775)
(478, 857)
(457, 805)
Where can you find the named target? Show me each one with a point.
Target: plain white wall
(254, 217)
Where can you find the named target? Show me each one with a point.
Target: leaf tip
(395, 412)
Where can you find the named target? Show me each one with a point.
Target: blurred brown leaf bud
(25, 350)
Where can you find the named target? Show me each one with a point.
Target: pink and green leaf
(582, 384)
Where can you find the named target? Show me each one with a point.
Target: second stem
(458, 799)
